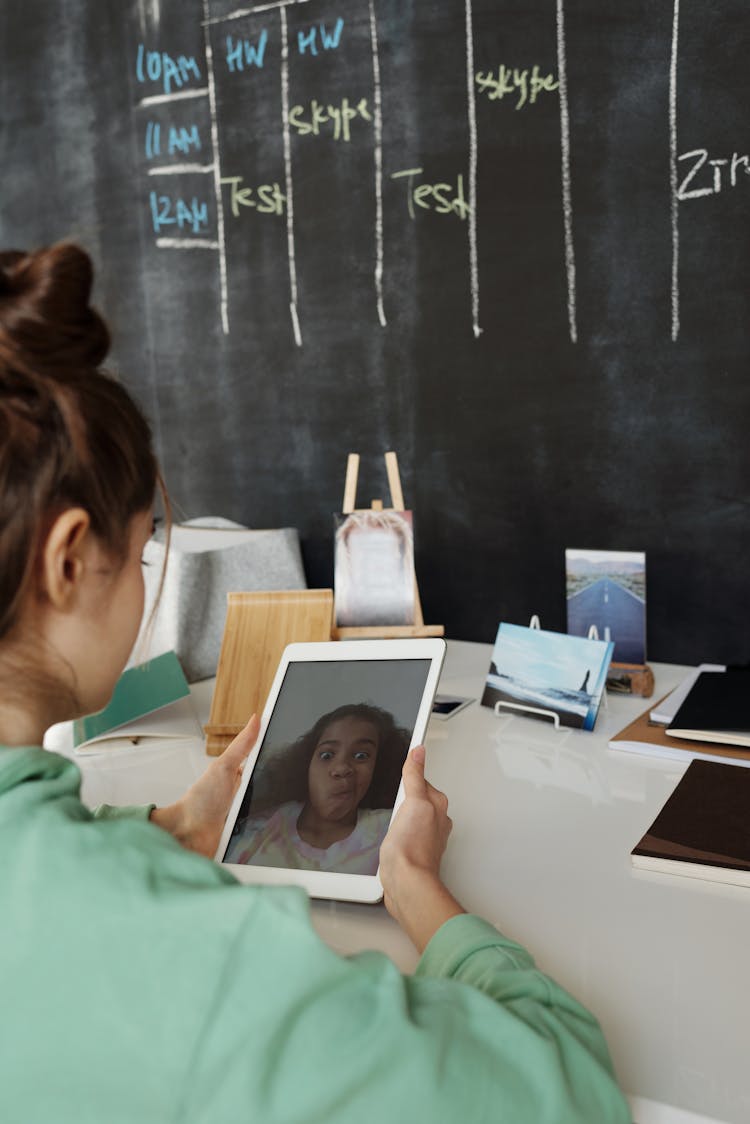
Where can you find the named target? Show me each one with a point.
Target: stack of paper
(651, 738)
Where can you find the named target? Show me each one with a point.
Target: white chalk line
(149, 10)
(295, 324)
(186, 244)
(674, 201)
(378, 154)
(179, 169)
(179, 95)
(288, 176)
(224, 295)
(239, 13)
(567, 204)
(473, 156)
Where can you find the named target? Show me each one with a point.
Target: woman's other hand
(197, 820)
(411, 853)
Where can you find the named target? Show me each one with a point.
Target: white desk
(543, 826)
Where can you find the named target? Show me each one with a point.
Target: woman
(338, 784)
(139, 980)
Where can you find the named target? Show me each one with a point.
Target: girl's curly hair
(285, 777)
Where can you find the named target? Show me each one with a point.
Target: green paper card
(139, 691)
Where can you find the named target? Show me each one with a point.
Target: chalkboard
(508, 241)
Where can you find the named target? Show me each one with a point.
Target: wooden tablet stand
(258, 628)
(419, 628)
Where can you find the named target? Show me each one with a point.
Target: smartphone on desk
(445, 706)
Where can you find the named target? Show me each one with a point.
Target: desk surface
(544, 822)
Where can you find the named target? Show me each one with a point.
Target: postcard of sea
(549, 671)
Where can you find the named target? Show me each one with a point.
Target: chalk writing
(158, 66)
(526, 84)
(438, 197)
(182, 139)
(339, 117)
(713, 175)
(171, 150)
(329, 41)
(153, 140)
(166, 211)
(242, 53)
(270, 199)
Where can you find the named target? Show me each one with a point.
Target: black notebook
(703, 830)
(717, 709)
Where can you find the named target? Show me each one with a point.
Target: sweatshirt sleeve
(476, 1034)
(555, 1047)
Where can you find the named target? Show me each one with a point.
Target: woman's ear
(63, 557)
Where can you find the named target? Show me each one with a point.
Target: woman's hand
(411, 853)
(197, 820)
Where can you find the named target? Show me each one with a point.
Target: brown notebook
(703, 830)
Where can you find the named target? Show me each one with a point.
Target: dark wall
(604, 403)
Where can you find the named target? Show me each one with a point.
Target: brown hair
(285, 777)
(70, 434)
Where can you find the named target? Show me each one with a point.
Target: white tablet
(320, 787)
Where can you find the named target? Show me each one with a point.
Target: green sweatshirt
(141, 983)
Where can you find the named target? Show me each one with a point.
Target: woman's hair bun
(46, 320)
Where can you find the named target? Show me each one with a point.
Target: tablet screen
(325, 781)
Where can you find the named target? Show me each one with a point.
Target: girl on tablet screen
(339, 782)
(140, 981)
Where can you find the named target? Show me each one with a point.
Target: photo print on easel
(537, 671)
(607, 589)
(374, 568)
(375, 585)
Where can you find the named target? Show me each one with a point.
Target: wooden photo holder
(388, 632)
(631, 679)
(258, 627)
(627, 678)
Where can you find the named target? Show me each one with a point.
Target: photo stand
(257, 630)
(538, 711)
(387, 632)
(627, 678)
(593, 634)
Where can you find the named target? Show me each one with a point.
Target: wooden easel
(419, 628)
(258, 628)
